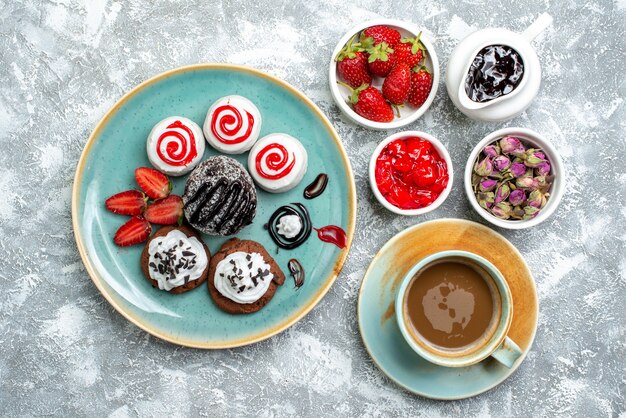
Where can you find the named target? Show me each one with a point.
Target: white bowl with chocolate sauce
(499, 105)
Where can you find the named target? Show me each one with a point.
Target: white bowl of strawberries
(384, 74)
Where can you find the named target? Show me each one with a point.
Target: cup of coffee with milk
(454, 309)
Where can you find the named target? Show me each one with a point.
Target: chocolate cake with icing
(220, 197)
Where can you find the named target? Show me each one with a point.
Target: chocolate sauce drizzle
(301, 212)
(317, 187)
(226, 202)
(297, 272)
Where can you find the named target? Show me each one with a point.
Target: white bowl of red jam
(411, 173)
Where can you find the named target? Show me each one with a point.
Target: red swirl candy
(410, 173)
(229, 121)
(178, 149)
(277, 160)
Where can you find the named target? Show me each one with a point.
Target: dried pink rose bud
(542, 183)
(492, 150)
(531, 158)
(502, 192)
(501, 162)
(530, 212)
(518, 169)
(512, 145)
(536, 199)
(526, 183)
(485, 200)
(502, 210)
(484, 168)
(517, 197)
(487, 185)
(543, 169)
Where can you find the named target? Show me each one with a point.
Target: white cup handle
(538, 26)
(507, 353)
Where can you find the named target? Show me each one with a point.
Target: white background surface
(64, 351)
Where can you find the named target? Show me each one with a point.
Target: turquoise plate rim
(267, 333)
(392, 241)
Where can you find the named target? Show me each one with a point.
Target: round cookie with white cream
(175, 145)
(175, 259)
(232, 125)
(243, 277)
(277, 162)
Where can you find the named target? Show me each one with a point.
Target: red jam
(410, 173)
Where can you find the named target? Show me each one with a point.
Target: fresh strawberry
(397, 84)
(368, 102)
(421, 83)
(168, 211)
(380, 34)
(130, 202)
(136, 230)
(381, 59)
(353, 69)
(409, 51)
(352, 64)
(153, 182)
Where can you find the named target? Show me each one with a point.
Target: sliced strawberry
(153, 182)
(136, 230)
(130, 202)
(166, 211)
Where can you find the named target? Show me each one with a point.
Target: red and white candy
(175, 145)
(277, 162)
(232, 125)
